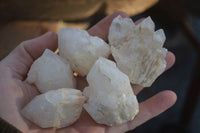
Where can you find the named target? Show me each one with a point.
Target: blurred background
(21, 20)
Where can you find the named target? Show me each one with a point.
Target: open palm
(16, 92)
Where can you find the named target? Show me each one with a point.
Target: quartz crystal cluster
(50, 72)
(108, 98)
(81, 49)
(111, 99)
(138, 49)
(56, 108)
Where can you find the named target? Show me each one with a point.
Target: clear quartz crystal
(55, 108)
(50, 72)
(81, 49)
(138, 49)
(111, 100)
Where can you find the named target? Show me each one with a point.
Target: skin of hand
(16, 92)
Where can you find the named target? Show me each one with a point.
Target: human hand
(16, 92)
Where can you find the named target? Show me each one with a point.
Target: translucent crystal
(121, 29)
(138, 49)
(81, 49)
(55, 108)
(50, 72)
(111, 99)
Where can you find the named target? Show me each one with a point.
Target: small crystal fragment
(138, 49)
(111, 99)
(81, 49)
(50, 72)
(55, 108)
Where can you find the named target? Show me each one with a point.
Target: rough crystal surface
(138, 49)
(111, 99)
(50, 72)
(55, 108)
(81, 49)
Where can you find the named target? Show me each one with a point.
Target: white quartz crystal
(55, 108)
(120, 30)
(111, 100)
(81, 49)
(138, 49)
(50, 72)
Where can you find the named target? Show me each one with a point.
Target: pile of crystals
(108, 98)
